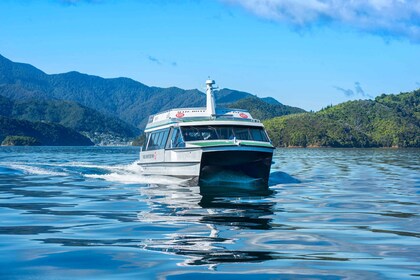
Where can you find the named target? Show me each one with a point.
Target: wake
(120, 173)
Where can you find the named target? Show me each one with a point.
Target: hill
(387, 121)
(129, 100)
(262, 110)
(226, 96)
(21, 132)
(271, 100)
(89, 122)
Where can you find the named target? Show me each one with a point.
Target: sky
(305, 53)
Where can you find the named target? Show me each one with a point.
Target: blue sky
(308, 53)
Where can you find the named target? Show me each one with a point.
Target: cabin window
(145, 142)
(242, 133)
(194, 133)
(258, 134)
(157, 140)
(176, 140)
(223, 132)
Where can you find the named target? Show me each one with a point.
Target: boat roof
(209, 115)
(182, 115)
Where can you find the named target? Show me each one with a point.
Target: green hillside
(69, 114)
(271, 100)
(262, 110)
(388, 121)
(13, 140)
(124, 98)
(21, 132)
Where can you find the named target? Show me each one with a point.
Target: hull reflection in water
(204, 243)
(89, 212)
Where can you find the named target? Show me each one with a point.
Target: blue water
(88, 213)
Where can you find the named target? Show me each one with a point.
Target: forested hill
(261, 109)
(69, 114)
(387, 121)
(124, 98)
(26, 133)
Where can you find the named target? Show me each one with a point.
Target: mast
(210, 105)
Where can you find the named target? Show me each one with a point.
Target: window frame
(159, 138)
(232, 131)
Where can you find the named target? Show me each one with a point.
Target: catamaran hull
(177, 169)
(214, 165)
(235, 167)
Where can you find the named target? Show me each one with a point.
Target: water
(87, 213)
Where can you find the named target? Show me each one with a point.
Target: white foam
(123, 173)
(37, 170)
(87, 165)
(122, 167)
(128, 178)
(132, 173)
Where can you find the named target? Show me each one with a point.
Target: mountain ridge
(124, 98)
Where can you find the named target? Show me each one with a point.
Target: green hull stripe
(230, 143)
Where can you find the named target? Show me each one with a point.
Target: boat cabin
(175, 137)
(203, 142)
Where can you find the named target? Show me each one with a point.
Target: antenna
(210, 104)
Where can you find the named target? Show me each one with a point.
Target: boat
(209, 144)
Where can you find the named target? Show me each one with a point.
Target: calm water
(87, 213)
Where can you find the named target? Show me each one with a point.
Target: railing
(227, 116)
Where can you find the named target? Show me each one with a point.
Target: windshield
(225, 132)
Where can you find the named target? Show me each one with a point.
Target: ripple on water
(88, 212)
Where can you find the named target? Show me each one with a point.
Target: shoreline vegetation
(14, 140)
(74, 109)
(389, 121)
(25, 133)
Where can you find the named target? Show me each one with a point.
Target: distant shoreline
(294, 147)
(325, 147)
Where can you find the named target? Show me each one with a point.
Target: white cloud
(400, 18)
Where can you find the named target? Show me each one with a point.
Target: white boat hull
(177, 169)
(203, 163)
(176, 162)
